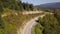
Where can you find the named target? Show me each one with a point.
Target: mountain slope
(50, 5)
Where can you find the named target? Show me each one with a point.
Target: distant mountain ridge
(50, 5)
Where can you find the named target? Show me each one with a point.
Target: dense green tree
(31, 7)
(16, 5)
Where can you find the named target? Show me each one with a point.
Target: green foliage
(37, 29)
(15, 5)
(6, 27)
(50, 24)
(41, 20)
(31, 7)
(10, 21)
(57, 14)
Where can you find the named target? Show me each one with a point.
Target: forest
(15, 5)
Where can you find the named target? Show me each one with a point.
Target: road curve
(27, 28)
(31, 12)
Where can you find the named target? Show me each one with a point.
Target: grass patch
(37, 29)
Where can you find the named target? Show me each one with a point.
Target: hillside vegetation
(15, 5)
(50, 24)
(11, 18)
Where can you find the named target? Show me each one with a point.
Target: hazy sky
(38, 2)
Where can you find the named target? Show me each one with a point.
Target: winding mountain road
(27, 29)
(28, 26)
